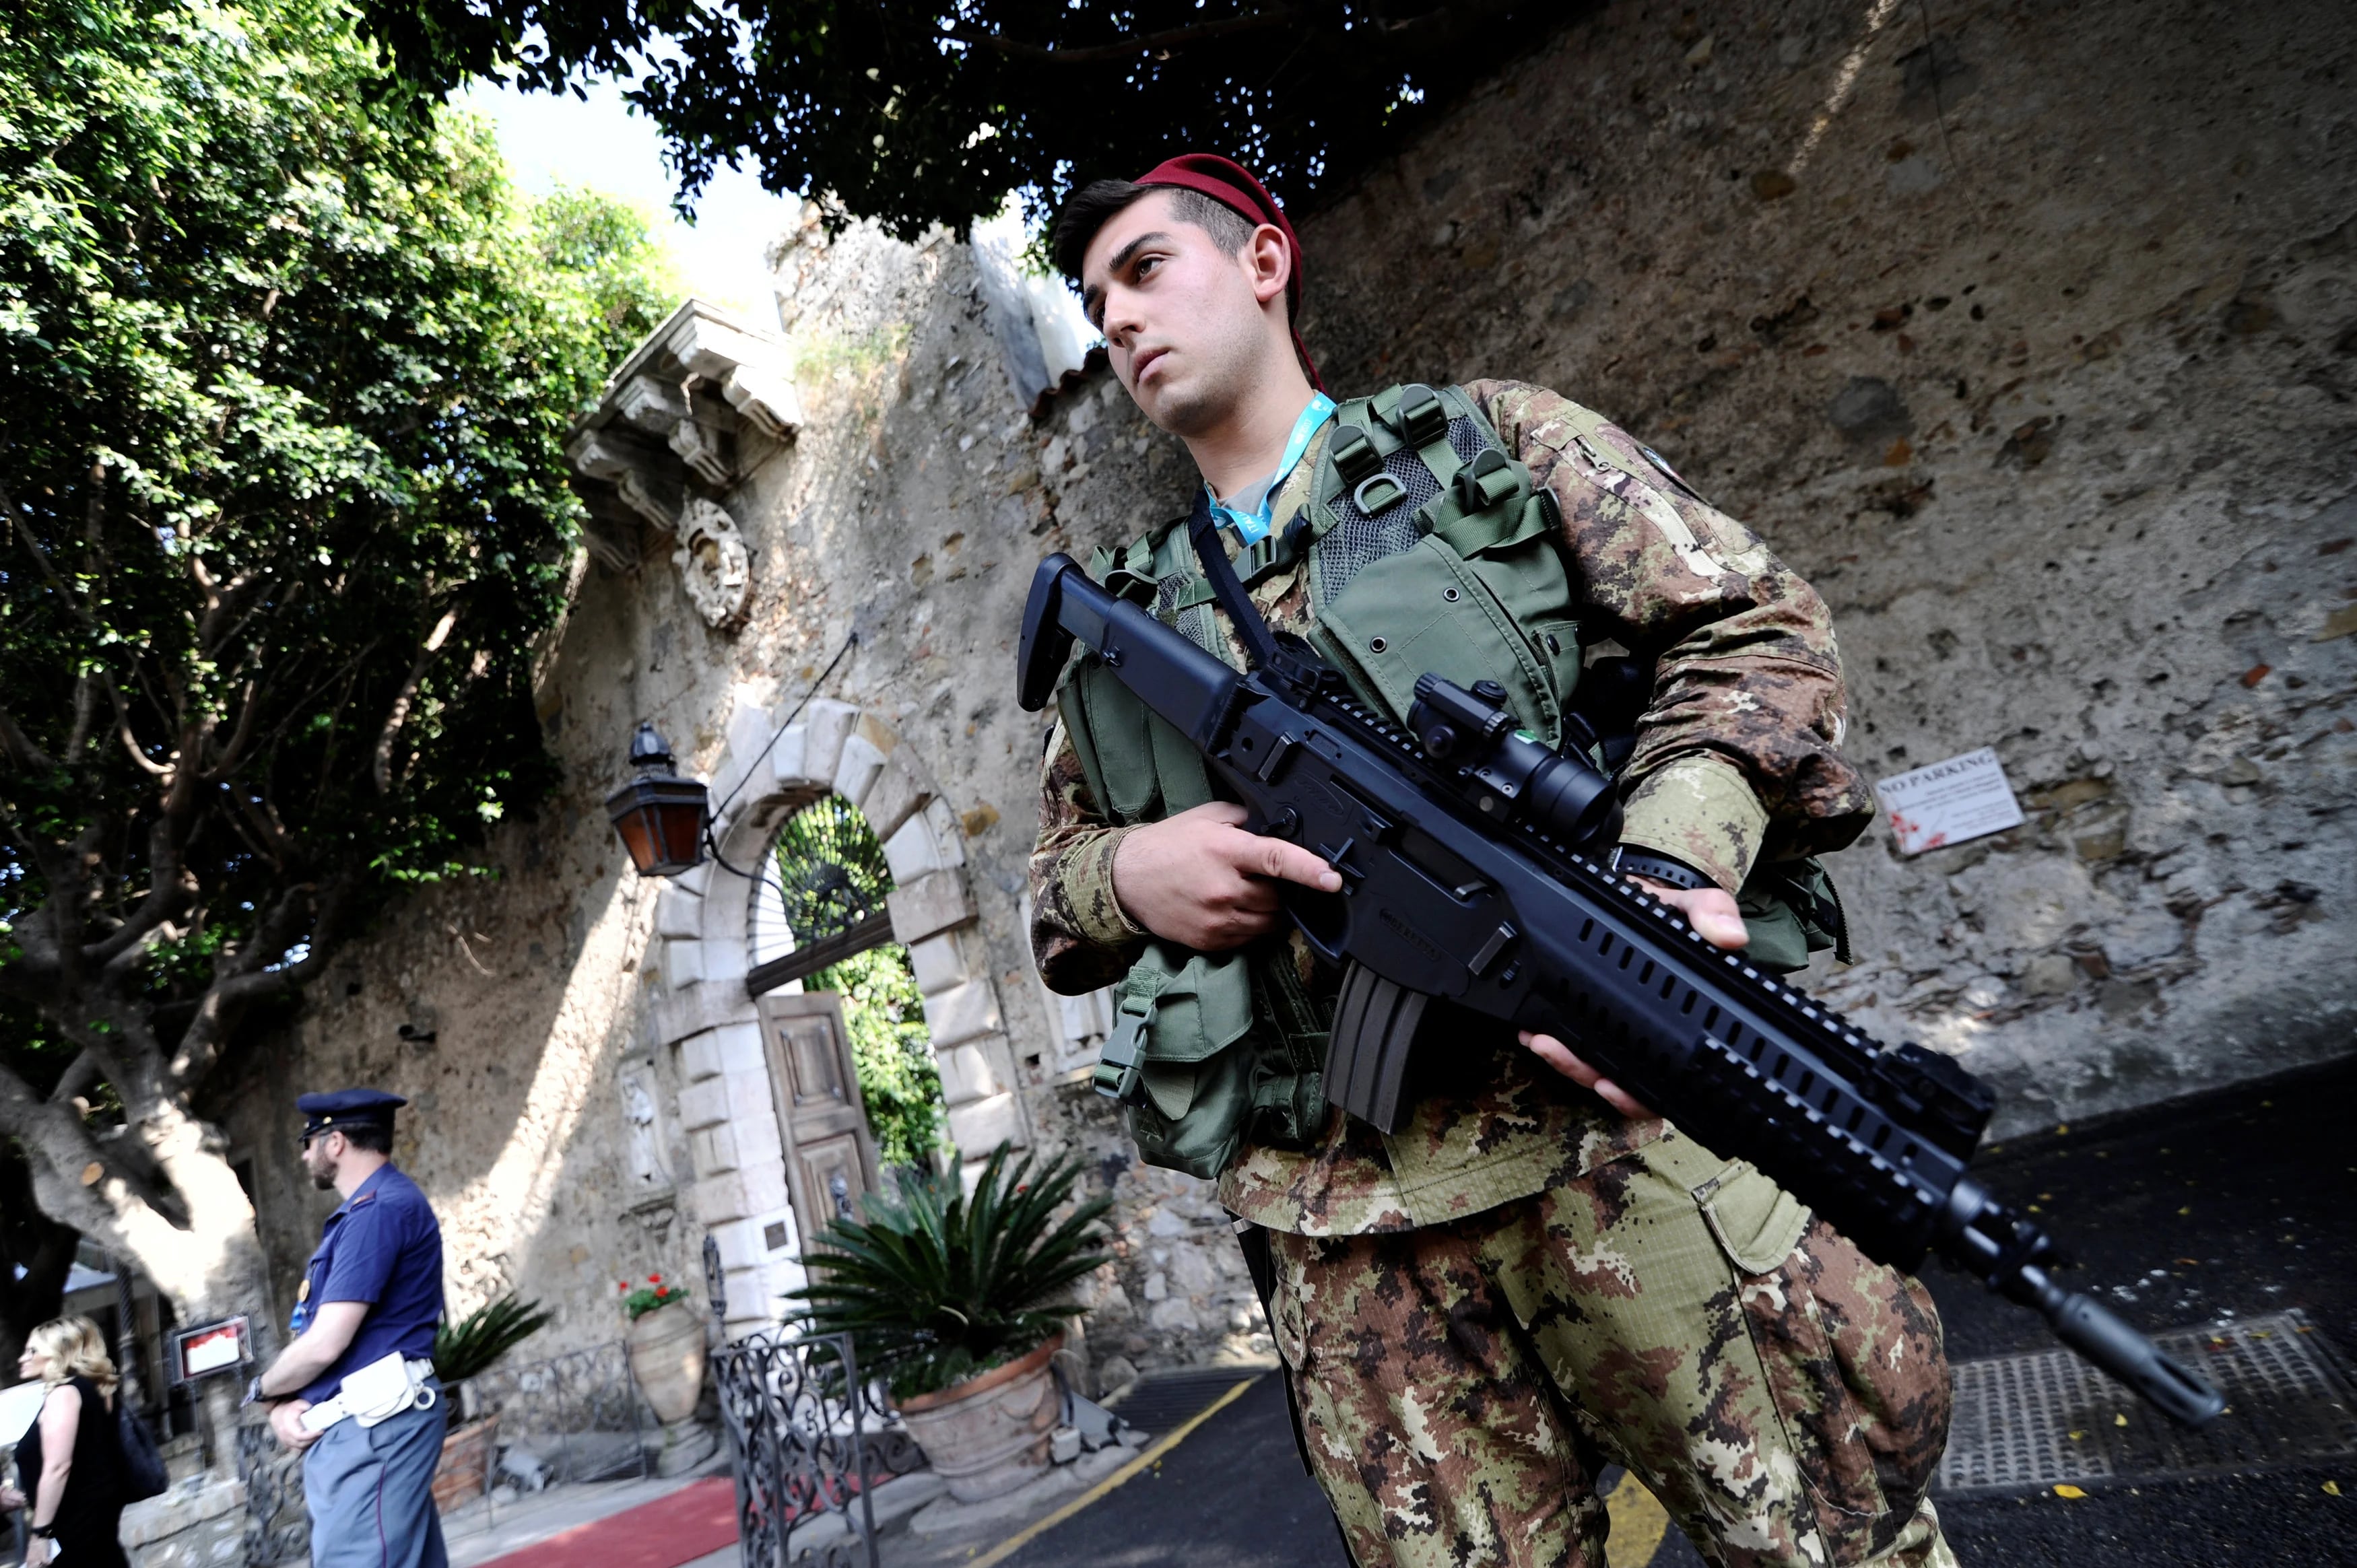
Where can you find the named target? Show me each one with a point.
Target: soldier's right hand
(1198, 879)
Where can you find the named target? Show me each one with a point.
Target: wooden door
(830, 1152)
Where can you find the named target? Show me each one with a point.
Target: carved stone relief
(696, 404)
(700, 448)
(714, 564)
(649, 1173)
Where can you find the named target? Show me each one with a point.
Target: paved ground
(479, 1534)
(2241, 1205)
(2236, 1207)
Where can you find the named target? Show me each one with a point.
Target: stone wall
(908, 505)
(2031, 340)
(197, 1524)
(2031, 344)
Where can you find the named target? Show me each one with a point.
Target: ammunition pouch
(1209, 1049)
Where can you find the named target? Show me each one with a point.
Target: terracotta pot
(466, 1467)
(667, 1356)
(988, 1435)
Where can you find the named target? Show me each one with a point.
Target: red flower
(621, 1285)
(654, 1279)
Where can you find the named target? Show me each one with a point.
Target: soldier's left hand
(1710, 911)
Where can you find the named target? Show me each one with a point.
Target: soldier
(355, 1393)
(1533, 1278)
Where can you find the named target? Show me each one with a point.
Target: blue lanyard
(1253, 527)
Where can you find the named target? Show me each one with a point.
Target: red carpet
(695, 1522)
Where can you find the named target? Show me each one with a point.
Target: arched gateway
(729, 1104)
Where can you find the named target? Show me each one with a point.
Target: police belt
(376, 1392)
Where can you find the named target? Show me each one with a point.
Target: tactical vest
(1425, 548)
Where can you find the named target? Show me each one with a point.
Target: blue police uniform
(369, 1488)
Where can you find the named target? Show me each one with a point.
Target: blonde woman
(71, 1461)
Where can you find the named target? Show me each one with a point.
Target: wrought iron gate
(811, 1440)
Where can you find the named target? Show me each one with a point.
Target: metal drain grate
(1156, 1404)
(2034, 1420)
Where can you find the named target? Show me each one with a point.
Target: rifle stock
(1463, 851)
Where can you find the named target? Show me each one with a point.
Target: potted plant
(951, 1300)
(667, 1357)
(461, 1350)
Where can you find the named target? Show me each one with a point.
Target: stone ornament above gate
(702, 955)
(704, 401)
(714, 565)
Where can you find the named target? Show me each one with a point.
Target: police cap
(346, 1108)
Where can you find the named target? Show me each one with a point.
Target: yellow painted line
(1129, 1472)
(1639, 1522)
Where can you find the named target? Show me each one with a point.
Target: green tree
(610, 257)
(286, 365)
(833, 877)
(916, 113)
(892, 1050)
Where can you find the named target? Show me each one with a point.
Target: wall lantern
(662, 818)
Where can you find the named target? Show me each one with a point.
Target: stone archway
(704, 1009)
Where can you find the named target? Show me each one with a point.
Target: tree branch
(85, 704)
(219, 600)
(278, 845)
(1123, 48)
(49, 938)
(130, 741)
(81, 1076)
(20, 747)
(41, 559)
(234, 751)
(169, 892)
(400, 715)
(242, 980)
(54, 1136)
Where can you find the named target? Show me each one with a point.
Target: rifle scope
(1504, 770)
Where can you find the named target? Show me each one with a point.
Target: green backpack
(1426, 548)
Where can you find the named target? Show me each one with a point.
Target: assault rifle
(1468, 854)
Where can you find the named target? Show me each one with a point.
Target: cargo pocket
(1174, 1058)
(1852, 1357)
(1756, 1223)
(1288, 1325)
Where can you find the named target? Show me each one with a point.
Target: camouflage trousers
(1463, 1385)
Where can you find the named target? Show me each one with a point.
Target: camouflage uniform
(1478, 1310)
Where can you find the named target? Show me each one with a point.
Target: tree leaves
(285, 369)
(918, 113)
(892, 1050)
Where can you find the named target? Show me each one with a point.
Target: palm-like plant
(934, 1286)
(469, 1346)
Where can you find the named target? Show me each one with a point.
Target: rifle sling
(1204, 533)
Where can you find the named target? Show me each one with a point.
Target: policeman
(1527, 1282)
(355, 1393)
